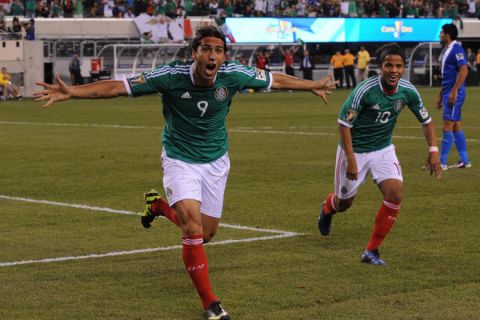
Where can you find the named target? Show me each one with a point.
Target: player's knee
(191, 228)
(448, 126)
(395, 196)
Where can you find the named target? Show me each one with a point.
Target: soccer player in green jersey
(366, 122)
(196, 98)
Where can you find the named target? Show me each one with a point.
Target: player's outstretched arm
(321, 88)
(433, 161)
(61, 91)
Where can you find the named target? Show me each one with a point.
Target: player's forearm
(346, 138)
(462, 75)
(284, 81)
(429, 133)
(98, 90)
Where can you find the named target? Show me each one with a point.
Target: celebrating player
(366, 122)
(196, 98)
(452, 96)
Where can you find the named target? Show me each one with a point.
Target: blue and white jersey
(452, 59)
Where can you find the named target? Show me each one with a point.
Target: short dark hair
(451, 30)
(388, 49)
(208, 31)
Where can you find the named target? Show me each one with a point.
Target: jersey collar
(452, 44)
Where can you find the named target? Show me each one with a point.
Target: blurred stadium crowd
(454, 9)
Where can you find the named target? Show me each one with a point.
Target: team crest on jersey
(459, 56)
(260, 74)
(424, 113)
(221, 93)
(137, 80)
(351, 116)
(398, 105)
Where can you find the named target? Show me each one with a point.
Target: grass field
(59, 261)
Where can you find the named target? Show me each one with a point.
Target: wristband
(432, 149)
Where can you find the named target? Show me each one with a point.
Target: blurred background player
(454, 72)
(307, 65)
(263, 59)
(478, 66)
(348, 65)
(363, 58)
(288, 59)
(366, 123)
(196, 97)
(74, 67)
(9, 89)
(337, 64)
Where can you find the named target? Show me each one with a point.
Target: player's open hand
(53, 92)
(433, 164)
(326, 83)
(322, 94)
(324, 87)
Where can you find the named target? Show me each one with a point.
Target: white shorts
(381, 164)
(204, 182)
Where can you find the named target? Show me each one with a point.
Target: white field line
(265, 130)
(277, 234)
(81, 125)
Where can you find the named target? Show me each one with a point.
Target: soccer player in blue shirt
(196, 97)
(454, 72)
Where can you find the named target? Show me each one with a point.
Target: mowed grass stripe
(233, 130)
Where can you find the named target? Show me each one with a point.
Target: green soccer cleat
(148, 216)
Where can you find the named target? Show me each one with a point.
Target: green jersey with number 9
(195, 130)
(371, 114)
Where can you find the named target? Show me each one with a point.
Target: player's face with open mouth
(392, 70)
(209, 56)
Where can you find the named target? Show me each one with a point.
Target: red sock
(161, 207)
(330, 206)
(384, 221)
(195, 261)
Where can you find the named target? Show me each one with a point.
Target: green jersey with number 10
(195, 130)
(371, 114)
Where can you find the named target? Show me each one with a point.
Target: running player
(196, 98)
(366, 123)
